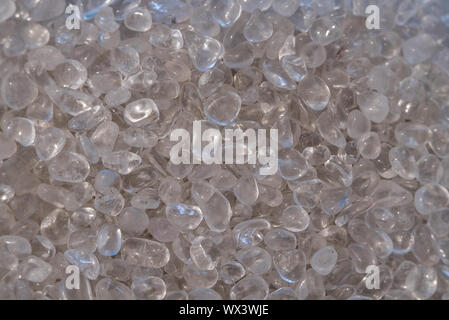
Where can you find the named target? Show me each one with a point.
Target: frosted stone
(369, 145)
(109, 240)
(15, 245)
(255, 259)
(204, 294)
(162, 230)
(151, 288)
(141, 112)
(403, 162)
(374, 106)
(226, 12)
(249, 232)
(204, 51)
(324, 260)
(125, 59)
(138, 20)
(411, 135)
(70, 74)
(292, 164)
(104, 137)
(290, 265)
(161, 36)
(222, 107)
(258, 28)
(183, 216)
(18, 90)
(7, 9)
(294, 219)
(325, 31)
(438, 222)
(8, 147)
(34, 269)
(110, 289)
(232, 272)
(146, 198)
(314, 91)
(381, 79)
(357, 124)
(197, 278)
(430, 169)
(361, 256)
(246, 190)
(425, 248)
(439, 141)
(294, 66)
(123, 162)
(329, 131)
(87, 262)
(133, 221)
(251, 5)
(20, 129)
(54, 226)
(431, 197)
(49, 143)
(145, 253)
(285, 7)
(69, 167)
(249, 288)
(276, 75)
(422, 282)
(110, 203)
(215, 207)
(204, 23)
(419, 48)
(204, 253)
(280, 239)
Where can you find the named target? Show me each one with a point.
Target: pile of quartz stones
(86, 181)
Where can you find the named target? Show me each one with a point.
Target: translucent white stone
(381, 79)
(294, 219)
(70, 74)
(411, 135)
(20, 129)
(256, 260)
(374, 106)
(69, 167)
(161, 36)
(8, 147)
(214, 205)
(7, 9)
(361, 256)
(110, 289)
(204, 51)
(204, 253)
(123, 162)
(290, 265)
(280, 239)
(15, 245)
(184, 216)
(162, 230)
(258, 28)
(232, 272)
(418, 48)
(34, 269)
(249, 288)
(196, 278)
(294, 66)
(151, 288)
(87, 262)
(403, 162)
(222, 107)
(324, 260)
(285, 7)
(329, 130)
(369, 145)
(111, 203)
(292, 164)
(138, 19)
(276, 75)
(104, 137)
(109, 240)
(54, 226)
(431, 197)
(226, 12)
(438, 222)
(125, 59)
(133, 221)
(422, 282)
(204, 23)
(145, 253)
(314, 91)
(325, 31)
(18, 90)
(246, 190)
(49, 143)
(357, 124)
(425, 248)
(439, 141)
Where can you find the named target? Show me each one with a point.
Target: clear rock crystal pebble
(139, 20)
(361, 165)
(314, 91)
